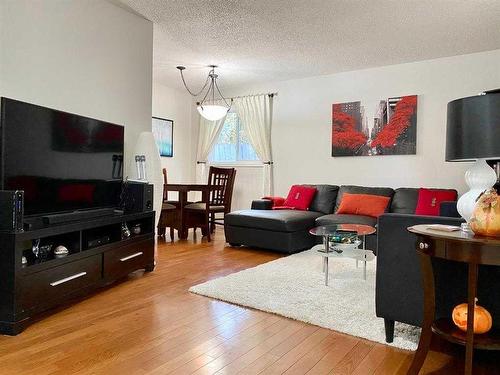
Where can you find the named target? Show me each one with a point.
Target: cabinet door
(48, 286)
(122, 260)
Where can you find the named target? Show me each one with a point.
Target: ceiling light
(211, 106)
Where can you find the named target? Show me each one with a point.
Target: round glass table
(349, 234)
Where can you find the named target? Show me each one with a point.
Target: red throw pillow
(363, 204)
(429, 200)
(300, 197)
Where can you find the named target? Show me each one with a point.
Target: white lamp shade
(146, 146)
(212, 112)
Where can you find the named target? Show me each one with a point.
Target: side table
(461, 247)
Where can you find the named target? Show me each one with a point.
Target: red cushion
(283, 208)
(429, 200)
(300, 197)
(363, 204)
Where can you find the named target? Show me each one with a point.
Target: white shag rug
(294, 286)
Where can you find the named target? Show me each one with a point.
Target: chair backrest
(221, 182)
(165, 191)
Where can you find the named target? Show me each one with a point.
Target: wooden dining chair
(170, 215)
(216, 201)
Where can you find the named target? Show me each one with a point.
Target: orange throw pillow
(363, 204)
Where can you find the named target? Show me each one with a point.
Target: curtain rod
(271, 94)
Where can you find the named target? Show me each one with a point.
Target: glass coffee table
(331, 249)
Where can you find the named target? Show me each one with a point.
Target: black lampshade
(473, 128)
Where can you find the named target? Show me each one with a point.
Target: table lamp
(473, 134)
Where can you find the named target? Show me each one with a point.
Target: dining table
(183, 190)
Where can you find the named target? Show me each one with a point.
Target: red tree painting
(345, 138)
(400, 121)
(391, 132)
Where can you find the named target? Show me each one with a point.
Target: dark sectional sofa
(399, 294)
(288, 230)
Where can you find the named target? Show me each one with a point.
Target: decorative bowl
(61, 251)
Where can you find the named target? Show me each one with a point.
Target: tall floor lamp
(473, 134)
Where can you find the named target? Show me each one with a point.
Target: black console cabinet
(97, 256)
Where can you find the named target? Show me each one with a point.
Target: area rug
(294, 287)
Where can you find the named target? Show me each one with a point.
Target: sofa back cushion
(405, 200)
(352, 189)
(325, 198)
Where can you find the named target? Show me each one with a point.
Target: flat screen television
(63, 162)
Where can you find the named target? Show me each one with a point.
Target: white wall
(302, 122)
(86, 57)
(247, 186)
(177, 105)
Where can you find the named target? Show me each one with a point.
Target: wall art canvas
(163, 131)
(383, 127)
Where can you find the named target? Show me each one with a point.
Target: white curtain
(255, 113)
(208, 133)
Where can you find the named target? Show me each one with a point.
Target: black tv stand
(47, 281)
(77, 215)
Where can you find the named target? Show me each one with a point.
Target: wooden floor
(151, 324)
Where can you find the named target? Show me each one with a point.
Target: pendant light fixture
(207, 107)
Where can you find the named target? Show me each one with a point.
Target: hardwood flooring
(151, 324)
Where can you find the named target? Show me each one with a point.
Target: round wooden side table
(461, 247)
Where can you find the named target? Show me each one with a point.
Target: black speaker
(136, 197)
(12, 210)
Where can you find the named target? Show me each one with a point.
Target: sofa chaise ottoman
(285, 231)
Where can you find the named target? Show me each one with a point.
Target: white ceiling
(255, 40)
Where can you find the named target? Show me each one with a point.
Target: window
(232, 144)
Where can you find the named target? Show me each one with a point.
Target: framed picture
(379, 127)
(163, 131)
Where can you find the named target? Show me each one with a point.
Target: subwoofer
(136, 197)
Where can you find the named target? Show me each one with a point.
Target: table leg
(326, 240)
(471, 301)
(429, 313)
(325, 248)
(364, 268)
(326, 243)
(326, 271)
(183, 233)
(364, 255)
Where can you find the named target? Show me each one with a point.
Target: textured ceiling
(256, 41)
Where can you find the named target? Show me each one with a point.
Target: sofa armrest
(262, 204)
(399, 294)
